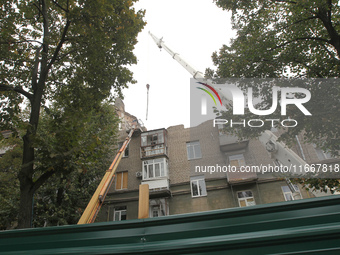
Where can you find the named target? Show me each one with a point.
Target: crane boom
(93, 207)
(278, 150)
(196, 74)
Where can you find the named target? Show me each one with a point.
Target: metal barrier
(309, 226)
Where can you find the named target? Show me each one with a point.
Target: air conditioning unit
(139, 174)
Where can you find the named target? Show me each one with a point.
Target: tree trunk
(26, 183)
(27, 186)
(26, 204)
(325, 15)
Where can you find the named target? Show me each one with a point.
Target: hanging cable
(147, 100)
(148, 76)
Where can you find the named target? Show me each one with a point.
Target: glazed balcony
(154, 144)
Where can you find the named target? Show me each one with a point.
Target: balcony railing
(154, 143)
(231, 143)
(158, 184)
(239, 177)
(155, 150)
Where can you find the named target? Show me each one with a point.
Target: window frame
(163, 209)
(321, 154)
(148, 139)
(119, 211)
(153, 143)
(163, 173)
(200, 182)
(247, 203)
(127, 150)
(122, 181)
(289, 192)
(239, 158)
(193, 144)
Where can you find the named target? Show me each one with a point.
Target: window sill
(194, 158)
(199, 196)
(156, 179)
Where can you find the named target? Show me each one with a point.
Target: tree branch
(325, 16)
(35, 68)
(56, 3)
(40, 11)
(299, 21)
(66, 54)
(4, 87)
(42, 179)
(60, 44)
(45, 46)
(300, 39)
(285, 1)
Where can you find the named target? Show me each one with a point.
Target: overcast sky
(192, 28)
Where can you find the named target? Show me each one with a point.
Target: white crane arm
(278, 150)
(195, 74)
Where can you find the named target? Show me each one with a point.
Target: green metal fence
(310, 226)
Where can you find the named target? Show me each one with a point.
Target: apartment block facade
(182, 167)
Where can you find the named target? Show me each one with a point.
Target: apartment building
(185, 169)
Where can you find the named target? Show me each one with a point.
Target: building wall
(132, 163)
(221, 193)
(208, 137)
(178, 160)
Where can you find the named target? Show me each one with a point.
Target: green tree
(281, 38)
(50, 50)
(10, 163)
(286, 39)
(79, 163)
(77, 149)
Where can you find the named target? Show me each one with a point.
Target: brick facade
(219, 191)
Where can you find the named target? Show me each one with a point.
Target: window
(322, 155)
(154, 168)
(119, 213)
(126, 152)
(152, 138)
(289, 195)
(156, 211)
(158, 208)
(237, 160)
(194, 150)
(153, 143)
(198, 188)
(245, 198)
(121, 180)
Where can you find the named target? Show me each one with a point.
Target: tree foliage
(77, 149)
(10, 164)
(321, 129)
(287, 39)
(288, 44)
(281, 38)
(79, 163)
(74, 52)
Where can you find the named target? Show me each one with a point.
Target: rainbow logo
(209, 93)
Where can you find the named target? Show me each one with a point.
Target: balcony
(231, 143)
(157, 184)
(158, 188)
(154, 144)
(239, 177)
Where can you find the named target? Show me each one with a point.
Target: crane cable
(148, 74)
(147, 100)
